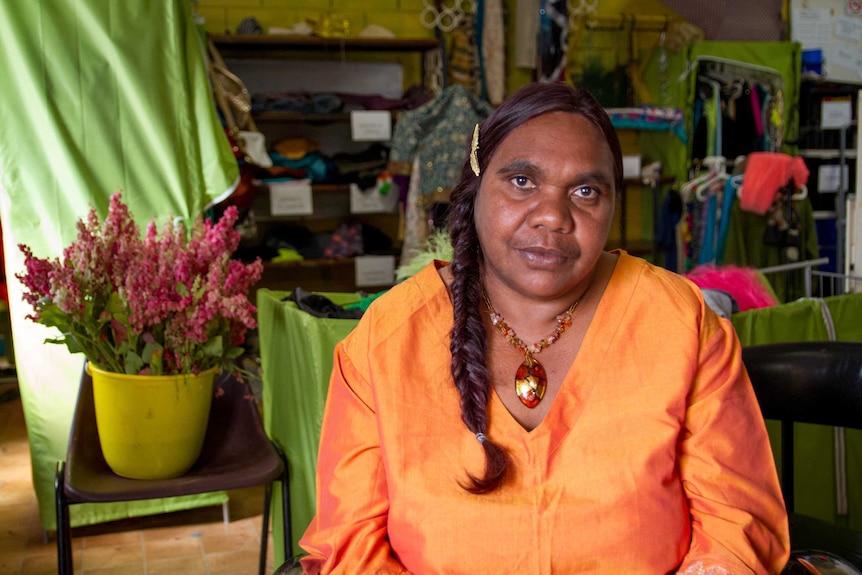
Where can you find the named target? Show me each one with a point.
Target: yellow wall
(403, 18)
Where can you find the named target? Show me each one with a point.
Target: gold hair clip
(474, 151)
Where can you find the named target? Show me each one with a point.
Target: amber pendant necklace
(530, 378)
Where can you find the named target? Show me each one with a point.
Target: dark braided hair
(469, 344)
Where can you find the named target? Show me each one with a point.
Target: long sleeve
(738, 516)
(349, 531)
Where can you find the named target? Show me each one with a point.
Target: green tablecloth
(296, 351)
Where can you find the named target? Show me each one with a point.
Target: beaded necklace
(531, 380)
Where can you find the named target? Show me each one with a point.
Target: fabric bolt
(494, 51)
(647, 462)
(526, 31)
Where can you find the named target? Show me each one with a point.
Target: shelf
(265, 61)
(311, 118)
(328, 275)
(827, 153)
(260, 44)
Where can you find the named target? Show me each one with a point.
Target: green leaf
(52, 316)
(149, 350)
(133, 363)
(234, 352)
(156, 364)
(213, 347)
(117, 308)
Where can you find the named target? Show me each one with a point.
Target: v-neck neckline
(580, 380)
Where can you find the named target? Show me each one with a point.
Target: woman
(606, 422)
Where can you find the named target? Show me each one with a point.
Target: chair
(236, 453)
(818, 383)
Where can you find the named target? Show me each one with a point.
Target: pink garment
(765, 174)
(746, 286)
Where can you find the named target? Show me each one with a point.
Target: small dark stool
(818, 383)
(236, 453)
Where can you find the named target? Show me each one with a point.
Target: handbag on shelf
(234, 102)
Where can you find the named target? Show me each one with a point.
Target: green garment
(746, 247)
(95, 96)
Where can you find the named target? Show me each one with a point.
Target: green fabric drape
(95, 96)
(296, 352)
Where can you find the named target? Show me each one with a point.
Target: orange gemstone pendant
(530, 381)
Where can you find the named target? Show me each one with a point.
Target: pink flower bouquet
(161, 304)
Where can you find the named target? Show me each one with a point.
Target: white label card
(371, 201)
(291, 198)
(829, 177)
(835, 113)
(371, 125)
(375, 271)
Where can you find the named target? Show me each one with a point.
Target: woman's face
(545, 206)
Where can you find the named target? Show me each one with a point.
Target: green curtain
(95, 96)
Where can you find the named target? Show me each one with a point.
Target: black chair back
(808, 382)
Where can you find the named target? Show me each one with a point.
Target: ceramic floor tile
(120, 570)
(172, 548)
(112, 539)
(232, 542)
(245, 561)
(42, 564)
(10, 562)
(112, 556)
(185, 565)
(171, 532)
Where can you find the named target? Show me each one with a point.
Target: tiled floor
(194, 542)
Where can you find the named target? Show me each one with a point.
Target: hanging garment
(666, 233)
(464, 56)
(438, 132)
(553, 40)
(765, 174)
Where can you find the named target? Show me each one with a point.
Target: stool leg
(64, 536)
(264, 534)
(285, 511)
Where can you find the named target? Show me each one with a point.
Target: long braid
(468, 347)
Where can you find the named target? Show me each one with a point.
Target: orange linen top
(653, 457)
